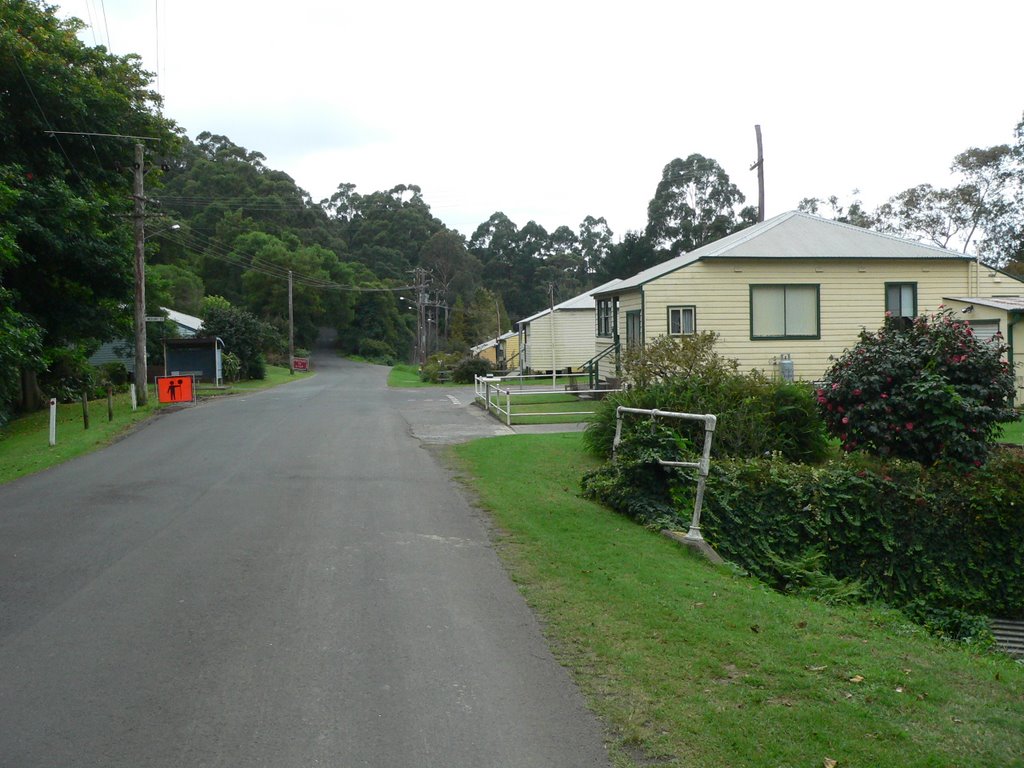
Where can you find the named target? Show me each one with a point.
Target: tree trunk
(31, 397)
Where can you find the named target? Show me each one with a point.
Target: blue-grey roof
(583, 301)
(797, 235)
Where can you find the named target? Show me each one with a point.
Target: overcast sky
(553, 110)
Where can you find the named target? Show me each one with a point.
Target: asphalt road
(283, 579)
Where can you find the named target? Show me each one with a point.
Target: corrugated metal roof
(1006, 303)
(797, 235)
(583, 301)
(185, 321)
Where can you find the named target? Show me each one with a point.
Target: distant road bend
(284, 579)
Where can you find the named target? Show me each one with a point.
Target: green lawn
(1013, 433)
(408, 377)
(700, 666)
(545, 408)
(24, 442)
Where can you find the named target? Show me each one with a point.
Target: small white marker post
(131, 389)
(53, 421)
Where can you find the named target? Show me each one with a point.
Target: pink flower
(909, 425)
(885, 396)
(846, 419)
(856, 392)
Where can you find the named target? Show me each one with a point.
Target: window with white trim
(606, 317)
(682, 321)
(784, 312)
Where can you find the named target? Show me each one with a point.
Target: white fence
(499, 395)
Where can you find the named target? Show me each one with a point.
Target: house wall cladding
(573, 337)
(852, 298)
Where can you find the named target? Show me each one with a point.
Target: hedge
(928, 539)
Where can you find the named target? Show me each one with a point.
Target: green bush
(231, 366)
(756, 416)
(927, 391)
(439, 364)
(377, 351)
(468, 368)
(243, 334)
(67, 374)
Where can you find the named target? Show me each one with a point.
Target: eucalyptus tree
(694, 204)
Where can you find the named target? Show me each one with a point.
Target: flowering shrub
(929, 391)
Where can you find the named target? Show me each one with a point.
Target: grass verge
(1013, 433)
(24, 442)
(700, 666)
(408, 377)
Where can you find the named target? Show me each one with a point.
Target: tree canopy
(66, 241)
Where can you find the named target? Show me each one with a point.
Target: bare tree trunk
(31, 397)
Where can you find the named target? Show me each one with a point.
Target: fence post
(508, 407)
(110, 403)
(85, 408)
(53, 421)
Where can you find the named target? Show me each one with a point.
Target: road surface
(282, 579)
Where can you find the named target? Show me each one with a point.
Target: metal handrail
(709, 421)
(591, 366)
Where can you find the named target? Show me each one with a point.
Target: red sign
(300, 363)
(174, 389)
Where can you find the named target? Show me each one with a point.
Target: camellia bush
(929, 391)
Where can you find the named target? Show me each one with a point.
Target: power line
(104, 135)
(218, 252)
(106, 26)
(42, 113)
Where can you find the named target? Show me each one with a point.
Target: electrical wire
(42, 114)
(211, 249)
(106, 26)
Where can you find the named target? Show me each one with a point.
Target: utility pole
(291, 328)
(420, 278)
(759, 165)
(139, 216)
(551, 302)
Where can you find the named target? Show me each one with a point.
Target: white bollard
(53, 421)
(131, 389)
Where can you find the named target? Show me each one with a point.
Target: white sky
(556, 110)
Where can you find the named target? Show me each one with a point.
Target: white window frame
(683, 309)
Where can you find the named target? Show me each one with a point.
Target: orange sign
(174, 389)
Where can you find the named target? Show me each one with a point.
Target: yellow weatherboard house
(789, 295)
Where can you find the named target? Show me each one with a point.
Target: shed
(561, 338)
(198, 356)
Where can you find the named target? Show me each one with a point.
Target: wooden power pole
(139, 215)
(760, 174)
(291, 328)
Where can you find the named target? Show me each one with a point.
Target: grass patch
(705, 667)
(408, 377)
(24, 442)
(1013, 433)
(545, 408)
